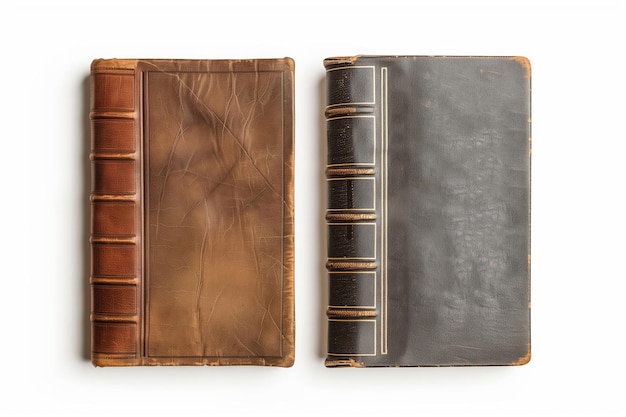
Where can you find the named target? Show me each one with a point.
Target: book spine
(115, 214)
(352, 213)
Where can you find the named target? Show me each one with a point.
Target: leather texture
(448, 146)
(192, 202)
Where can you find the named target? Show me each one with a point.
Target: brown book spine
(115, 213)
(353, 212)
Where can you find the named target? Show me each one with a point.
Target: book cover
(192, 232)
(428, 210)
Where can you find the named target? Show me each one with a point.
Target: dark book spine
(115, 215)
(352, 212)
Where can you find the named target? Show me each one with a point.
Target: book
(192, 233)
(428, 175)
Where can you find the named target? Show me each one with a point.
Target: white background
(578, 210)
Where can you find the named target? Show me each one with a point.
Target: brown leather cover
(192, 231)
(428, 211)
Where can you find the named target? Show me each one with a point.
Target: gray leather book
(428, 211)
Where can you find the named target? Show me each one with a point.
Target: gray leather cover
(448, 281)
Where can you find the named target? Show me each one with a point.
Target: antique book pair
(192, 232)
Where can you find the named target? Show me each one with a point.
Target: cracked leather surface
(217, 198)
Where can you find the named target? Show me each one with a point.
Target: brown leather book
(428, 211)
(192, 232)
